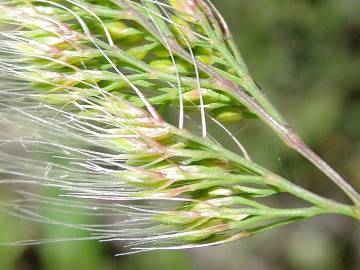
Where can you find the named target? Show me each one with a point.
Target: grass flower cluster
(89, 85)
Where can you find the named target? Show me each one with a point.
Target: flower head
(90, 80)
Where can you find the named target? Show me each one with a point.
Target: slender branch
(329, 206)
(298, 144)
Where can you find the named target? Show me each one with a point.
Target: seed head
(90, 82)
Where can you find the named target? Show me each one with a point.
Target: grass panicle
(87, 88)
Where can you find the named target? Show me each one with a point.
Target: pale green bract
(88, 89)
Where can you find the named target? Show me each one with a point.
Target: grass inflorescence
(87, 84)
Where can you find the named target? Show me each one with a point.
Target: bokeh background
(305, 54)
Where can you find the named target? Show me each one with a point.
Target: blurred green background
(305, 54)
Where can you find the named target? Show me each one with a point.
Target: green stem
(271, 179)
(271, 213)
(330, 206)
(260, 229)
